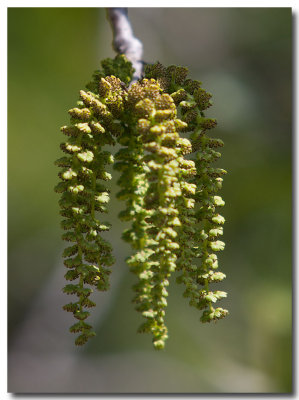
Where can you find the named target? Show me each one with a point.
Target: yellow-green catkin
(84, 195)
(151, 180)
(202, 225)
(167, 181)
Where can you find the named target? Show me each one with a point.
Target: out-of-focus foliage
(243, 56)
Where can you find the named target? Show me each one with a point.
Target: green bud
(86, 156)
(217, 246)
(216, 232)
(103, 197)
(69, 174)
(218, 219)
(218, 201)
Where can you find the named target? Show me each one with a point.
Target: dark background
(244, 58)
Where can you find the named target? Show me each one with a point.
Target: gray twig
(124, 41)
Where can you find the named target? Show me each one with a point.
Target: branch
(124, 41)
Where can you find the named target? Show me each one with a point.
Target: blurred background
(243, 56)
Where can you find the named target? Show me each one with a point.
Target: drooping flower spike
(170, 198)
(151, 181)
(202, 226)
(83, 193)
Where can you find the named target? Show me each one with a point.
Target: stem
(124, 41)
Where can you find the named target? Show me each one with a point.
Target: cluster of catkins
(167, 183)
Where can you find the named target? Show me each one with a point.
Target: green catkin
(84, 196)
(151, 178)
(167, 182)
(202, 226)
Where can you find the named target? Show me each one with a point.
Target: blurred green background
(244, 57)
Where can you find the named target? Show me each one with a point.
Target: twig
(124, 41)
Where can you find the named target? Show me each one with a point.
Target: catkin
(84, 195)
(168, 182)
(202, 227)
